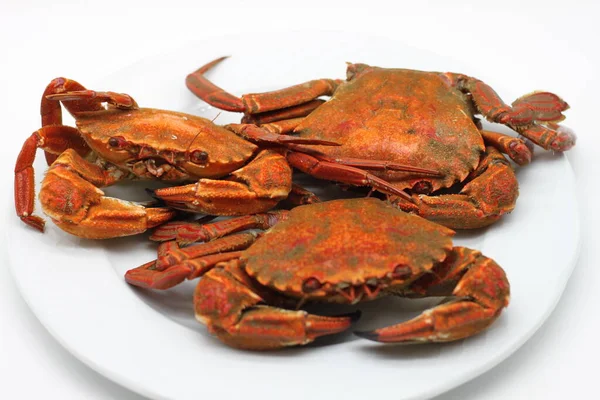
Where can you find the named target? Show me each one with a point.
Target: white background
(525, 45)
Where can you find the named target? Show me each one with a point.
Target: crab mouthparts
(155, 166)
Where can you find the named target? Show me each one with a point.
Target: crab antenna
(217, 116)
(197, 134)
(195, 137)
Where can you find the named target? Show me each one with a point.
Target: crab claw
(174, 264)
(226, 303)
(479, 297)
(444, 323)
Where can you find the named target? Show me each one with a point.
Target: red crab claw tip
(393, 334)
(210, 65)
(382, 336)
(320, 326)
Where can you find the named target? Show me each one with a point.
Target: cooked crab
(341, 251)
(419, 118)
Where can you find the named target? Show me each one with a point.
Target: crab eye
(199, 157)
(116, 141)
(401, 272)
(422, 187)
(311, 284)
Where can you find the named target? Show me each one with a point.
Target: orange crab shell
(165, 135)
(416, 117)
(345, 243)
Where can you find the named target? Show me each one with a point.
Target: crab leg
(258, 102)
(375, 165)
(174, 265)
(189, 232)
(271, 134)
(118, 100)
(50, 108)
(301, 110)
(337, 172)
(479, 289)
(53, 139)
(226, 301)
(528, 115)
(282, 126)
(70, 196)
(514, 147)
(492, 192)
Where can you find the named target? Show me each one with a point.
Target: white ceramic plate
(150, 342)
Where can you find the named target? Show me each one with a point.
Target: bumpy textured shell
(411, 117)
(349, 241)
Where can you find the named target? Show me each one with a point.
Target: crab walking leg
(80, 100)
(272, 136)
(480, 290)
(491, 193)
(50, 108)
(328, 170)
(257, 187)
(53, 139)
(189, 232)
(291, 96)
(227, 304)
(376, 165)
(51, 112)
(118, 100)
(515, 148)
(272, 133)
(528, 115)
(283, 126)
(301, 110)
(257, 102)
(70, 196)
(175, 265)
